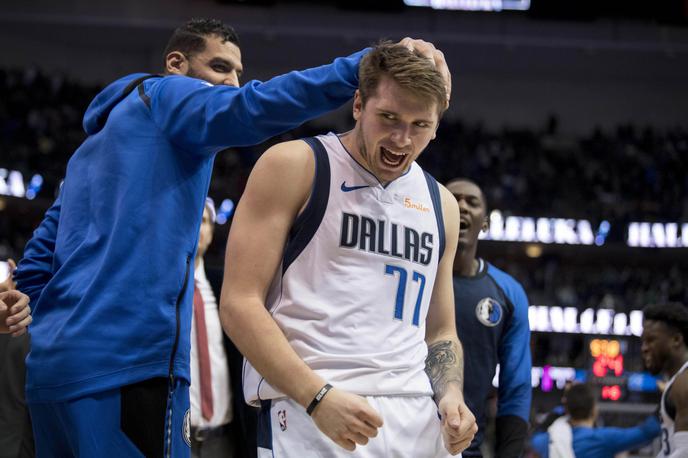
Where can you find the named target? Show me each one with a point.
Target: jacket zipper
(170, 372)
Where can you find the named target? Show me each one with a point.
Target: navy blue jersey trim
(264, 426)
(437, 204)
(309, 220)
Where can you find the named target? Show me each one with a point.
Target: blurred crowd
(628, 174)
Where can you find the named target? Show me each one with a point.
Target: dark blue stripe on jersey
(264, 426)
(437, 203)
(309, 220)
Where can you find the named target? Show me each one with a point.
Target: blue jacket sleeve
(515, 364)
(540, 444)
(36, 267)
(619, 439)
(204, 119)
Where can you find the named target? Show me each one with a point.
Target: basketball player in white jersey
(338, 281)
(665, 351)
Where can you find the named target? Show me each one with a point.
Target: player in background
(665, 351)
(574, 435)
(338, 281)
(492, 322)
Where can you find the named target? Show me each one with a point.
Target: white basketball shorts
(411, 430)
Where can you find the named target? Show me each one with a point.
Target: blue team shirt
(108, 269)
(603, 442)
(492, 323)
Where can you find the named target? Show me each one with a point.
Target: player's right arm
(679, 396)
(278, 188)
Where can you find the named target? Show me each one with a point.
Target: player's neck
(465, 263)
(588, 423)
(675, 363)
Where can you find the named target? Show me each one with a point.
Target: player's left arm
(513, 408)
(444, 364)
(679, 396)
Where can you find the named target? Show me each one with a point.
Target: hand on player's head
(347, 419)
(428, 50)
(458, 424)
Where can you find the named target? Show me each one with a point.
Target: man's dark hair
(580, 401)
(189, 39)
(672, 314)
(469, 181)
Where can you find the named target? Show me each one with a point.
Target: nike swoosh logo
(346, 188)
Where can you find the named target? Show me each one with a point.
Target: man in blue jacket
(575, 435)
(492, 323)
(108, 270)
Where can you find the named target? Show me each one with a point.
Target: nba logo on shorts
(489, 312)
(282, 418)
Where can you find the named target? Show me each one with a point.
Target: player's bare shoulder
(287, 170)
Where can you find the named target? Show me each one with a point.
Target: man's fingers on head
(407, 42)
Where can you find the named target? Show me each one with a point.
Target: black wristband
(318, 397)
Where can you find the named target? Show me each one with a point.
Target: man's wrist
(452, 389)
(309, 390)
(317, 398)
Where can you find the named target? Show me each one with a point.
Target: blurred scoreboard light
(225, 211)
(606, 358)
(568, 320)
(472, 5)
(560, 231)
(12, 184)
(657, 235)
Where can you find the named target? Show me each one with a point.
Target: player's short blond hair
(408, 69)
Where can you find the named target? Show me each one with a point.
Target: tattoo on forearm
(444, 365)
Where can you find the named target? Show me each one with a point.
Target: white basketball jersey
(667, 442)
(356, 278)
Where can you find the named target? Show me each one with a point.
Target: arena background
(572, 116)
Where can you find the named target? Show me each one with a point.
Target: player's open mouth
(391, 158)
(464, 224)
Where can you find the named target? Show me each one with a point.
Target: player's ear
(176, 63)
(486, 225)
(358, 105)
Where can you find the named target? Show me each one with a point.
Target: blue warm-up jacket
(108, 270)
(603, 442)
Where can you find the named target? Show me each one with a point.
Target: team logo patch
(186, 428)
(282, 418)
(489, 312)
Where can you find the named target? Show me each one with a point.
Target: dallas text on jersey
(396, 240)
